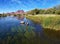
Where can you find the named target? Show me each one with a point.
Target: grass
(20, 35)
(47, 21)
(51, 27)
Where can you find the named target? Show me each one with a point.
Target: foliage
(51, 27)
(33, 12)
(3, 15)
(47, 21)
(20, 35)
(57, 11)
(53, 10)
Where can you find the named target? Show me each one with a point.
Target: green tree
(41, 11)
(34, 12)
(57, 11)
(0, 15)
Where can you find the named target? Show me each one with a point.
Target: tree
(34, 12)
(41, 11)
(57, 11)
(0, 15)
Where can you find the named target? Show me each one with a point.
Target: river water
(10, 24)
(7, 24)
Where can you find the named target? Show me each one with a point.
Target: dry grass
(47, 21)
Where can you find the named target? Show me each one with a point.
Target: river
(11, 26)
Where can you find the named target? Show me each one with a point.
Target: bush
(57, 11)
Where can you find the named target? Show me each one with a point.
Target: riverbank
(47, 21)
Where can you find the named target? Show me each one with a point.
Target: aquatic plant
(20, 35)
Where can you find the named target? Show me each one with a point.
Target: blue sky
(26, 5)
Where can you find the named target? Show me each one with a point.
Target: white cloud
(19, 2)
(16, 1)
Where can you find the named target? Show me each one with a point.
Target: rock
(27, 23)
(22, 22)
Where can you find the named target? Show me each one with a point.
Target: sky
(26, 5)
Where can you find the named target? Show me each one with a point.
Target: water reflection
(11, 28)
